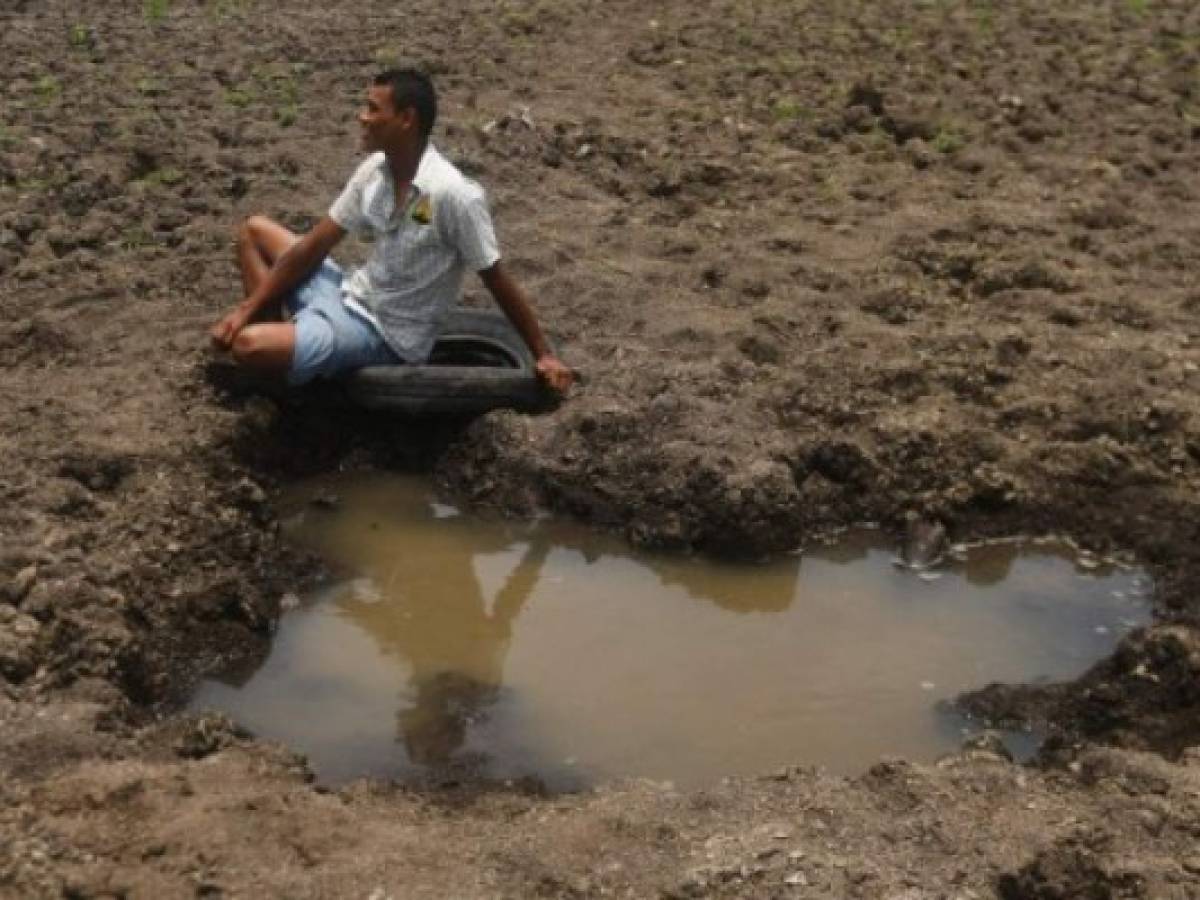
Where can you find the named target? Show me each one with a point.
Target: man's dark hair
(412, 88)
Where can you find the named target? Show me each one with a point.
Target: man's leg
(267, 347)
(260, 242)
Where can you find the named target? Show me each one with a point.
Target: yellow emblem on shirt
(423, 211)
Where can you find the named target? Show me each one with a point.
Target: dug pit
(444, 643)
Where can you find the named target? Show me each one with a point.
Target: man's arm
(511, 298)
(289, 270)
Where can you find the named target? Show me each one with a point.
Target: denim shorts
(330, 337)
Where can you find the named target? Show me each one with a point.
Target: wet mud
(820, 264)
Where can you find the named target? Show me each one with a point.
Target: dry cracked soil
(820, 263)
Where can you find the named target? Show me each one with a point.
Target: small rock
(26, 225)
(16, 648)
(987, 742)
(924, 542)
(20, 585)
(207, 734)
(1151, 820)
(761, 350)
(796, 879)
(260, 415)
(919, 153)
(25, 627)
(249, 494)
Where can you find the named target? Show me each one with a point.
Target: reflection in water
(441, 625)
(454, 646)
(990, 564)
(554, 651)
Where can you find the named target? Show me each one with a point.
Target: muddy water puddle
(446, 641)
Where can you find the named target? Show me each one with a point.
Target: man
(429, 223)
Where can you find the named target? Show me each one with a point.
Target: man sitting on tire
(429, 223)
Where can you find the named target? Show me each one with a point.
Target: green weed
(948, 139)
(879, 141)
(225, 9)
(166, 176)
(135, 238)
(899, 37)
(32, 185)
(81, 38)
(241, 96)
(148, 86)
(985, 17)
(279, 84)
(386, 57)
(48, 89)
(1138, 7)
(155, 10)
(788, 109)
(287, 115)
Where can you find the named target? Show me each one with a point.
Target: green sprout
(985, 18)
(135, 238)
(786, 109)
(224, 9)
(901, 36)
(948, 140)
(386, 57)
(155, 10)
(287, 115)
(279, 84)
(240, 97)
(166, 176)
(80, 37)
(148, 86)
(47, 88)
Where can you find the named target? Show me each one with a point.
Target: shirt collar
(387, 214)
(421, 181)
(424, 175)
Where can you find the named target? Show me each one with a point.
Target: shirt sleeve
(347, 209)
(467, 226)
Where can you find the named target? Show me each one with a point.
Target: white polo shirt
(421, 250)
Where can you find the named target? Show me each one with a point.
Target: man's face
(383, 126)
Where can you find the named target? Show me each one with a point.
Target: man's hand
(511, 298)
(290, 269)
(555, 373)
(227, 329)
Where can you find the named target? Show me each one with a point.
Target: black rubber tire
(478, 363)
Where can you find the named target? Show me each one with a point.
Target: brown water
(550, 650)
